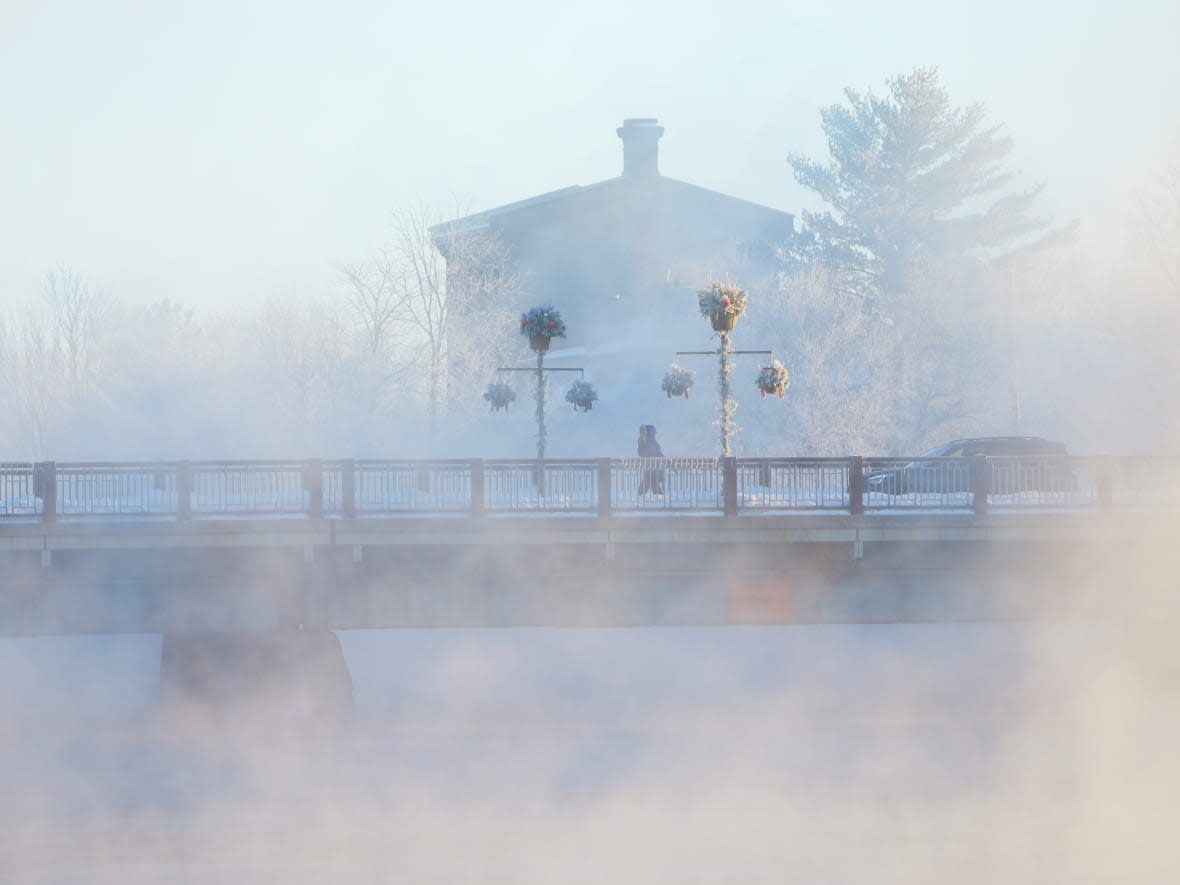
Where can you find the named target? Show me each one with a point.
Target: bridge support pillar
(291, 676)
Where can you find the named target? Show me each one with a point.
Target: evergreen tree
(921, 237)
(917, 187)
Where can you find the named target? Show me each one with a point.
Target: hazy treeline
(351, 372)
(930, 300)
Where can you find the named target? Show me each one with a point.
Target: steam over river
(892, 753)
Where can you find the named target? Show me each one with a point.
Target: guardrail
(182, 490)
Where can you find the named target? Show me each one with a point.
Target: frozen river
(820, 754)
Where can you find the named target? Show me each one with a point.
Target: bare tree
(483, 286)
(9, 359)
(38, 384)
(1148, 295)
(75, 313)
(1157, 226)
(373, 301)
(866, 381)
(420, 280)
(50, 364)
(309, 376)
(434, 301)
(839, 355)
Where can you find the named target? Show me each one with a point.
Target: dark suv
(1022, 463)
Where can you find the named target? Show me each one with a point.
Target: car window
(965, 448)
(1028, 447)
(945, 450)
(975, 448)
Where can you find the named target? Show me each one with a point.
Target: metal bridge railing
(672, 484)
(114, 489)
(19, 493)
(1147, 483)
(919, 484)
(367, 488)
(246, 488)
(794, 483)
(1001, 483)
(388, 487)
(548, 486)
(1043, 482)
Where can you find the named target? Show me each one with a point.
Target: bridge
(175, 547)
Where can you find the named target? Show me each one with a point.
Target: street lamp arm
(538, 371)
(547, 369)
(715, 352)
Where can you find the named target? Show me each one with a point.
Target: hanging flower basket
(773, 379)
(499, 395)
(541, 324)
(723, 322)
(678, 381)
(722, 303)
(582, 394)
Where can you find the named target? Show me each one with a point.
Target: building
(627, 252)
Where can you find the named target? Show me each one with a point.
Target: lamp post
(723, 303)
(728, 407)
(539, 394)
(541, 324)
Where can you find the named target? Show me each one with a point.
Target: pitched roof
(640, 173)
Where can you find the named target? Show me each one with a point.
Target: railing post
(477, 498)
(184, 490)
(1105, 483)
(45, 488)
(729, 483)
(348, 488)
(313, 484)
(856, 485)
(981, 475)
(604, 487)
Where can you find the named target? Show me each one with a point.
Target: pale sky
(224, 152)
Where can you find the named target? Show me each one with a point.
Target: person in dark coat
(653, 477)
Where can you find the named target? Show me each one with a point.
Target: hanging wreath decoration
(773, 379)
(499, 395)
(722, 299)
(582, 394)
(678, 381)
(540, 324)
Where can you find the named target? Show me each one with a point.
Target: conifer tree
(917, 186)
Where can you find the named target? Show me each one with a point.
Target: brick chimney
(641, 146)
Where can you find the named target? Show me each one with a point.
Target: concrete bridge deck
(83, 577)
(222, 546)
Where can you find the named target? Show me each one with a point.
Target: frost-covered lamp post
(723, 303)
(541, 324)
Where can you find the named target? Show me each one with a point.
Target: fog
(889, 753)
(191, 204)
(204, 178)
